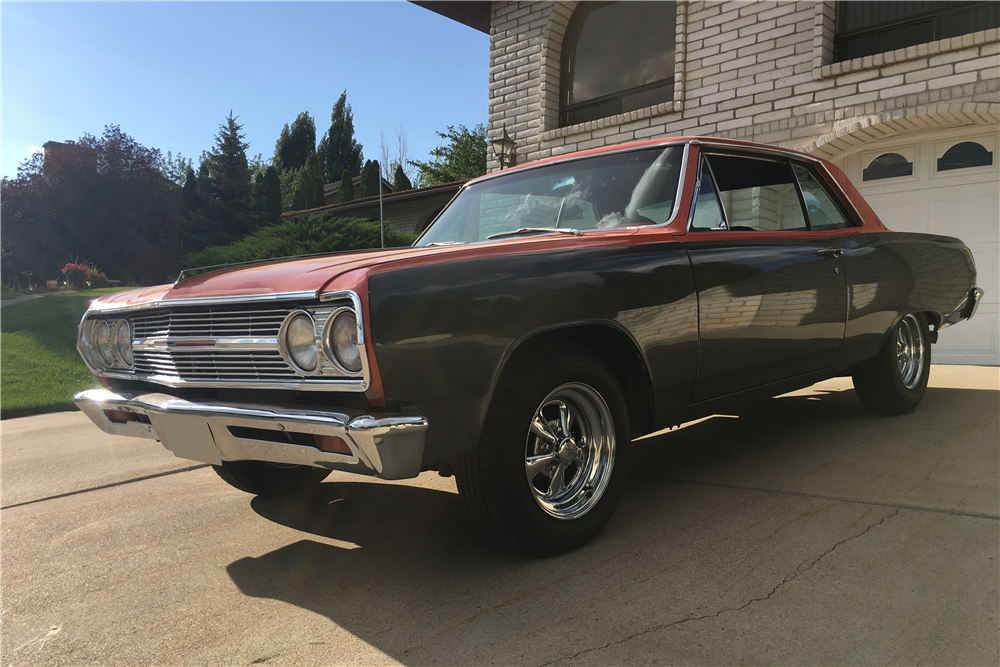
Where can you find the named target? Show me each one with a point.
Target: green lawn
(40, 369)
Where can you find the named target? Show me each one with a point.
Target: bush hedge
(303, 236)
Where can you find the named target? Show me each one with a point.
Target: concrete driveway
(801, 531)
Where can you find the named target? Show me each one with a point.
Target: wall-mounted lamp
(503, 149)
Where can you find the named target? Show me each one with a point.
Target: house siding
(757, 71)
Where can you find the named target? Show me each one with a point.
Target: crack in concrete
(788, 579)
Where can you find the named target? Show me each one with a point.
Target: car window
(707, 209)
(757, 194)
(616, 190)
(822, 210)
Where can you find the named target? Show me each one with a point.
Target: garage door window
(888, 165)
(965, 155)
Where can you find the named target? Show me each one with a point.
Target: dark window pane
(618, 54)
(964, 155)
(867, 28)
(822, 209)
(757, 195)
(890, 165)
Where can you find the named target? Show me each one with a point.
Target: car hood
(314, 275)
(284, 276)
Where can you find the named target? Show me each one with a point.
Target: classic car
(550, 314)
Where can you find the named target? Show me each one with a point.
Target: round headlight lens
(123, 342)
(102, 340)
(344, 341)
(300, 340)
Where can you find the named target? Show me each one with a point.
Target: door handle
(829, 252)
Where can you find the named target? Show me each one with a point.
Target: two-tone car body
(552, 312)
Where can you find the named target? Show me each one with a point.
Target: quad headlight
(297, 340)
(341, 340)
(107, 344)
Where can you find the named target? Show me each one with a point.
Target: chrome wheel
(909, 351)
(570, 451)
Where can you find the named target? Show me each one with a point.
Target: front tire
(553, 459)
(270, 479)
(894, 382)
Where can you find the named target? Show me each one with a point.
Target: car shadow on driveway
(719, 514)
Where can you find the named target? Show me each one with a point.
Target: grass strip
(40, 369)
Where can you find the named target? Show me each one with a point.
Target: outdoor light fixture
(503, 148)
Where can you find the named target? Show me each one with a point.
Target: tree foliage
(304, 236)
(270, 195)
(345, 191)
(104, 199)
(225, 209)
(341, 151)
(296, 144)
(462, 157)
(399, 180)
(308, 191)
(369, 180)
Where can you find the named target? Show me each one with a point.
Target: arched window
(964, 155)
(889, 165)
(617, 57)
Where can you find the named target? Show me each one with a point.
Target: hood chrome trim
(97, 306)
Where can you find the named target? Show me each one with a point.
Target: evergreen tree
(297, 143)
(229, 168)
(308, 186)
(271, 194)
(189, 193)
(346, 190)
(342, 151)
(399, 180)
(369, 180)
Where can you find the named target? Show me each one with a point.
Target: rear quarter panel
(890, 274)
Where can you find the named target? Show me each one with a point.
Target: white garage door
(944, 182)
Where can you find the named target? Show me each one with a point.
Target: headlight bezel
(116, 344)
(285, 350)
(329, 346)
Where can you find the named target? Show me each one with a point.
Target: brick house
(904, 96)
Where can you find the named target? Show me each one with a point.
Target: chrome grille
(209, 323)
(211, 365)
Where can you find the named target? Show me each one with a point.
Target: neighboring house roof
(331, 189)
(473, 14)
(387, 197)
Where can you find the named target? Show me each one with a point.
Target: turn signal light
(333, 444)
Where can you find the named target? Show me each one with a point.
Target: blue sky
(169, 73)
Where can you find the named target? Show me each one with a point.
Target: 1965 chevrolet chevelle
(551, 313)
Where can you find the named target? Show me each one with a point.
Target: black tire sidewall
(879, 385)
(527, 523)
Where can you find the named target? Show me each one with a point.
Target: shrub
(76, 274)
(311, 235)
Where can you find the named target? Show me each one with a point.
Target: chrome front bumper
(389, 446)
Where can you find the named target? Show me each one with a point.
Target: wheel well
(617, 350)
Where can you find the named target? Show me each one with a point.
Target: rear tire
(270, 479)
(894, 381)
(553, 459)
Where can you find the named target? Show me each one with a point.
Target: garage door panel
(976, 341)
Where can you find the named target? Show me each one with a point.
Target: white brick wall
(745, 70)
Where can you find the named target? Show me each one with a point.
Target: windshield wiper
(525, 231)
(444, 243)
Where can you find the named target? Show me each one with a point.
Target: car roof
(650, 143)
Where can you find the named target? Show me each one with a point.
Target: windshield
(617, 190)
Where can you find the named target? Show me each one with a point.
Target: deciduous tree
(462, 157)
